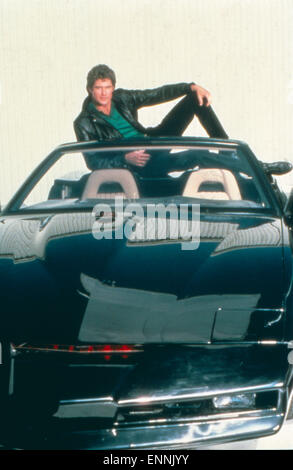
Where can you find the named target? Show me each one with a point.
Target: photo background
(240, 50)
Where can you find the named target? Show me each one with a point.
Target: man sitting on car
(109, 114)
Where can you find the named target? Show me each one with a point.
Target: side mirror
(288, 209)
(276, 168)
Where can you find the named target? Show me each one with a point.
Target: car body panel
(110, 272)
(124, 343)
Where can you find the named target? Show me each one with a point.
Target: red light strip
(95, 348)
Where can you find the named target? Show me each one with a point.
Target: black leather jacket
(91, 126)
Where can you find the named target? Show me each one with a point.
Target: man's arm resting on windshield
(99, 160)
(104, 160)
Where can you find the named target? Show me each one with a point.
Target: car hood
(61, 284)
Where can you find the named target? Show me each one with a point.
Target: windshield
(208, 175)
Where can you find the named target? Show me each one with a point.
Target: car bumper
(127, 417)
(193, 434)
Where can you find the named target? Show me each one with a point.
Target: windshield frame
(14, 205)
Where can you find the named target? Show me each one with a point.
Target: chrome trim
(200, 394)
(83, 294)
(289, 403)
(203, 418)
(87, 400)
(268, 341)
(272, 322)
(179, 435)
(281, 310)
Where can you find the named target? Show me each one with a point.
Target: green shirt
(119, 122)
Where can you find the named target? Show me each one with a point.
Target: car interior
(206, 183)
(112, 183)
(220, 178)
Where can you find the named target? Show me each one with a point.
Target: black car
(145, 307)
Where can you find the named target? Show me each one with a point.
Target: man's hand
(203, 96)
(137, 157)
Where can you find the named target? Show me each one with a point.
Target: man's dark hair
(100, 71)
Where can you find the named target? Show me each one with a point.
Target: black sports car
(145, 307)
